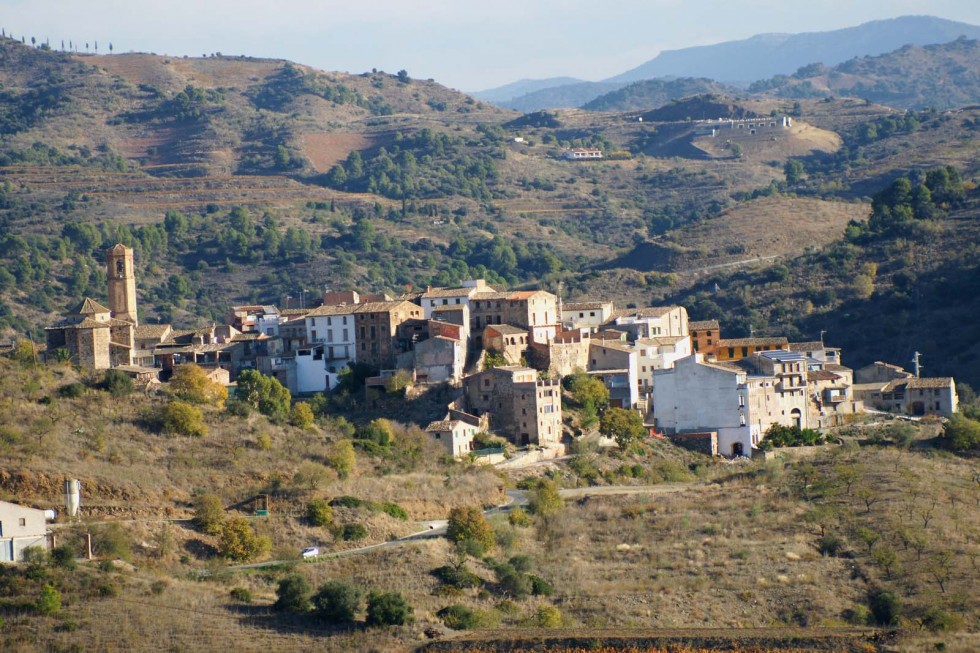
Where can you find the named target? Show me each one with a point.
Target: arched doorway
(797, 418)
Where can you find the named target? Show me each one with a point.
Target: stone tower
(122, 283)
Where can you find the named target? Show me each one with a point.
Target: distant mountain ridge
(760, 57)
(502, 94)
(655, 92)
(938, 76)
(767, 55)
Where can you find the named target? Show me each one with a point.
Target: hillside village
(504, 354)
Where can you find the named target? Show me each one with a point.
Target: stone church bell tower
(122, 283)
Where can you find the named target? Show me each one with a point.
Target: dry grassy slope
(107, 87)
(128, 469)
(780, 226)
(736, 553)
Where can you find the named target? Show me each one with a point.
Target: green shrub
(64, 556)
(182, 418)
(117, 383)
(387, 609)
(512, 583)
(239, 542)
(548, 616)
(885, 608)
(319, 513)
(293, 594)
(336, 602)
(107, 589)
(540, 587)
(459, 577)
(469, 528)
(49, 601)
(394, 510)
(209, 514)
(518, 517)
(347, 502)
(72, 390)
(458, 617)
(858, 616)
(241, 594)
(353, 532)
(830, 545)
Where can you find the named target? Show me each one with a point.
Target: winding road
(515, 499)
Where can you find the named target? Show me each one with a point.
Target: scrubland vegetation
(877, 533)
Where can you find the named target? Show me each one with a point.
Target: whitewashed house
(21, 528)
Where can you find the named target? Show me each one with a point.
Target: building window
(23, 521)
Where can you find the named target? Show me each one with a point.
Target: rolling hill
(767, 55)
(758, 58)
(244, 180)
(942, 76)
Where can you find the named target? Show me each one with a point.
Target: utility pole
(915, 362)
(822, 331)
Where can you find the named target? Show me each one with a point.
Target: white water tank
(73, 496)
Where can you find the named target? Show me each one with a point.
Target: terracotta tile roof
(651, 311)
(703, 325)
(834, 367)
(586, 306)
(936, 382)
(152, 330)
(434, 293)
(340, 309)
(90, 323)
(507, 329)
(442, 425)
(816, 345)
(294, 312)
(749, 342)
(384, 307)
(613, 344)
(89, 307)
(821, 375)
(661, 340)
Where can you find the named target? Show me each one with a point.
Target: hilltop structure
(98, 337)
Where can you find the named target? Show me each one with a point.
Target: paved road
(515, 499)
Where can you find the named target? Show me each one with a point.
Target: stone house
(586, 315)
(703, 334)
(659, 353)
(509, 341)
(653, 322)
(454, 435)
(733, 349)
(617, 365)
(21, 528)
(524, 408)
(378, 344)
(435, 298)
(93, 338)
(831, 397)
(148, 337)
(892, 388)
(332, 327)
(566, 354)
(98, 337)
(536, 311)
(737, 400)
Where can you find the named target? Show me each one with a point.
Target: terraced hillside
(239, 179)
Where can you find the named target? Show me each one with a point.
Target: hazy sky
(464, 44)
